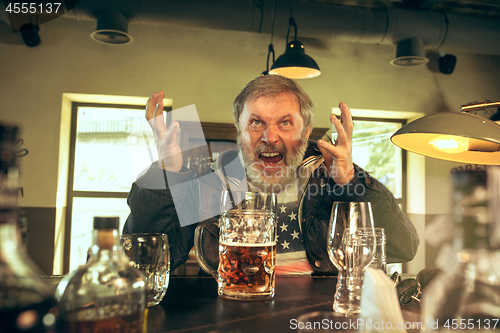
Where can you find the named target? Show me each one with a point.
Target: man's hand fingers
(346, 118)
(154, 114)
(327, 148)
(154, 102)
(327, 155)
(344, 126)
(172, 133)
(151, 105)
(341, 134)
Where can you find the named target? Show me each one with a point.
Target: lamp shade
(295, 63)
(452, 136)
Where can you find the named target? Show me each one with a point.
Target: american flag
(289, 238)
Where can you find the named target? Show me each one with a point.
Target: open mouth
(270, 160)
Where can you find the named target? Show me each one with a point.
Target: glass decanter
(106, 294)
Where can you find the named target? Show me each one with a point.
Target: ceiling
(472, 8)
(456, 25)
(477, 8)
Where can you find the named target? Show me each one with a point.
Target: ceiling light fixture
(453, 136)
(410, 52)
(295, 63)
(112, 28)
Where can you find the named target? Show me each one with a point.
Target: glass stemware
(351, 247)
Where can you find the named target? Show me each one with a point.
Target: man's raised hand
(169, 152)
(338, 156)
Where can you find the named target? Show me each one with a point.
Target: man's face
(272, 139)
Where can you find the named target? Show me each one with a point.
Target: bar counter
(192, 305)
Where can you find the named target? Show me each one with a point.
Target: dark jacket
(156, 205)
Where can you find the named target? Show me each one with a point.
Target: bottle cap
(106, 222)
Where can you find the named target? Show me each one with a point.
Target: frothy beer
(247, 269)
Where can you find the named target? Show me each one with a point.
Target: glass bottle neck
(106, 244)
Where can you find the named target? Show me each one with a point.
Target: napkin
(380, 309)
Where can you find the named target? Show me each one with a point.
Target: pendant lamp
(453, 136)
(295, 63)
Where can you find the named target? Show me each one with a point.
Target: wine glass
(351, 248)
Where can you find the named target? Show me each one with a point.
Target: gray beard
(290, 163)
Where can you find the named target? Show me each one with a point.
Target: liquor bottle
(107, 294)
(467, 297)
(26, 302)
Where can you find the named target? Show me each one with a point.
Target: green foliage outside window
(374, 152)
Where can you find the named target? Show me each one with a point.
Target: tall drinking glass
(351, 248)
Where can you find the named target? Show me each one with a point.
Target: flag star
(283, 208)
(284, 227)
(285, 245)
(292, 216)
(277, 236)
(295, 234)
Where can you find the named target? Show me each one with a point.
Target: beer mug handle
(198, 238)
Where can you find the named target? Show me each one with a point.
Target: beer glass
(351, 247)
(149, 252)
(247, 246)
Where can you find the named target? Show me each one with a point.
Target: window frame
(71, 193)
(401, 201)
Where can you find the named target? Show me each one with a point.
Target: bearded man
(274, 118)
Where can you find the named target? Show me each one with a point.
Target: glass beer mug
(247, 246)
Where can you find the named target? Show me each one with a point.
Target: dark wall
(40, 234)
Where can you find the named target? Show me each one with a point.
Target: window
(107, 153)
(375, 153)
(373, 150)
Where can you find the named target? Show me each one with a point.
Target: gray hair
(273, 86)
